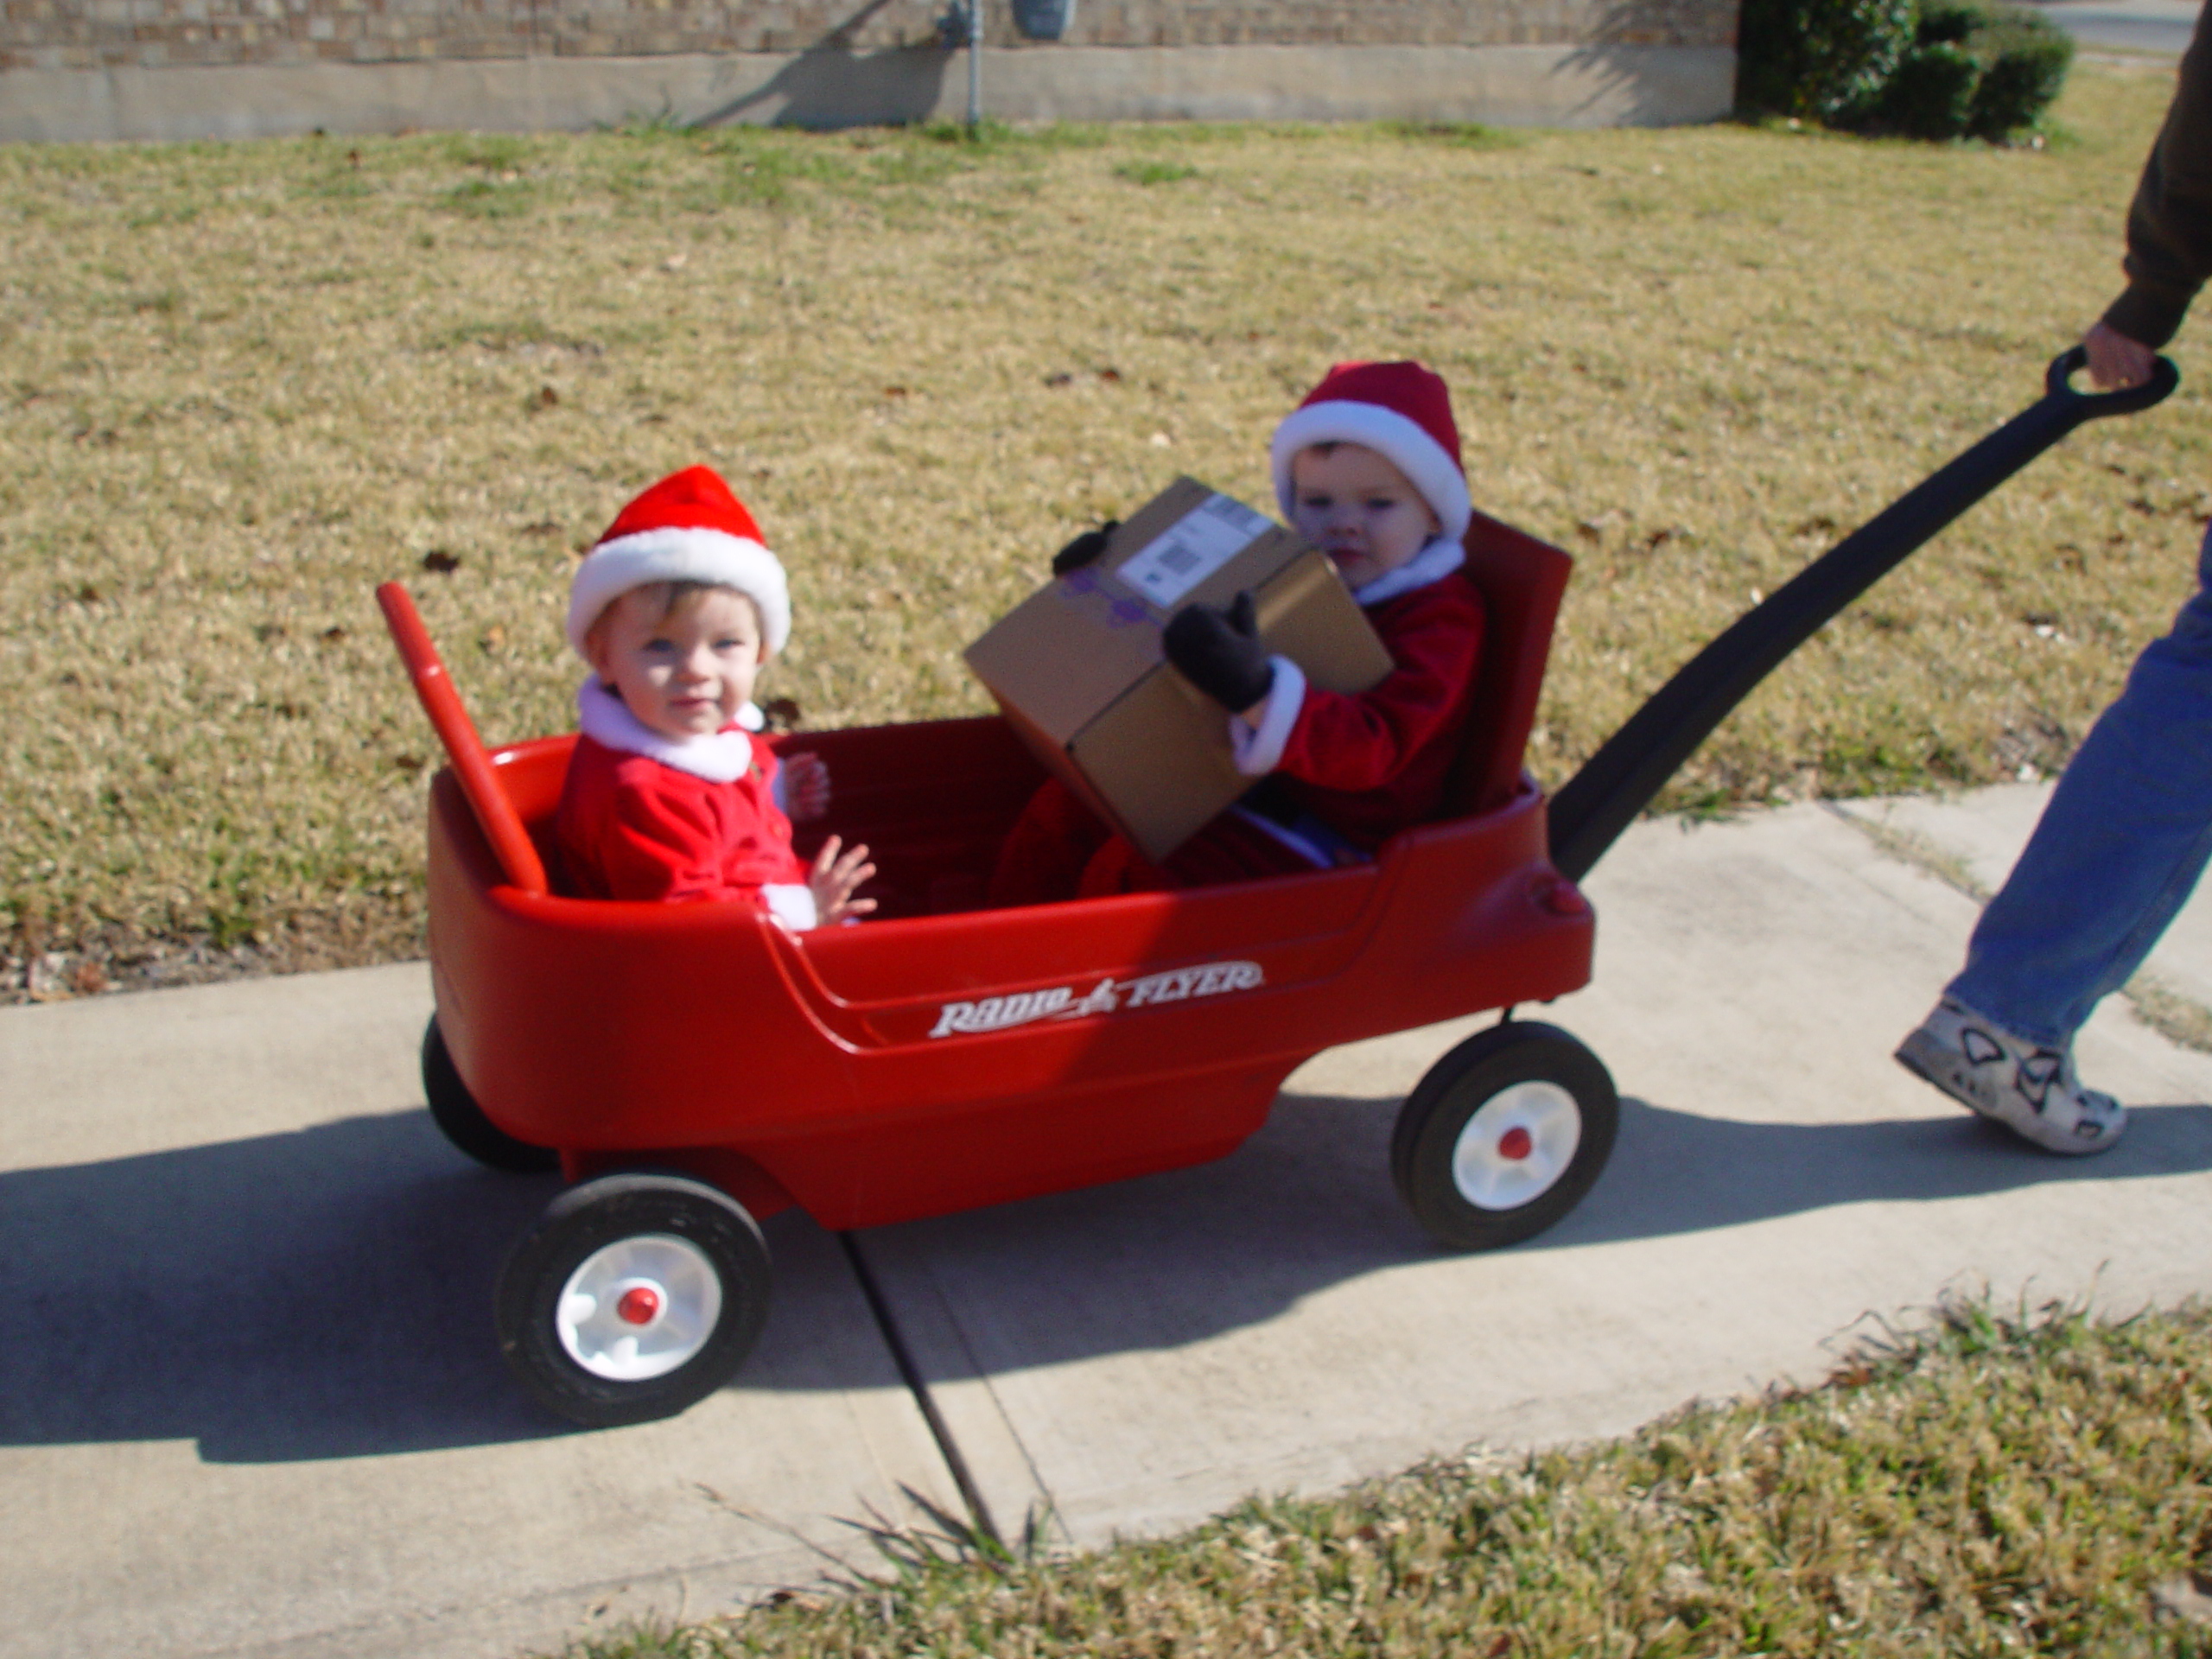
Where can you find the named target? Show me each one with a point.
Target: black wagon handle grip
(2058, 383)
(1594, 806)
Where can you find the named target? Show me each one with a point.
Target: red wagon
(944, 1056)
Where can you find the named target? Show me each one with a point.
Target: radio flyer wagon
(693, 1069)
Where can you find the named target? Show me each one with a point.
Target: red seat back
(1522, 580)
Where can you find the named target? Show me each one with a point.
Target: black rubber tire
(588, 1217)
(1423, 1145)
(462, 1121)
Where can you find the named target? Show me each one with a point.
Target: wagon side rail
(495, 813)
(1593, 807)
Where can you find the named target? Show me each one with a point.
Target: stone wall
(106, 35)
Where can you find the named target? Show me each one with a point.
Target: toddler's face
(686, 673)
(1354, 503)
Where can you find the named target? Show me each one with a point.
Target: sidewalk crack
(979, 1513)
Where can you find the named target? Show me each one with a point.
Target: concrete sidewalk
(252, 1403)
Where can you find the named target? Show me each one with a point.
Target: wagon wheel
(635, 1296)
(455, 1110)
(1503, 1135)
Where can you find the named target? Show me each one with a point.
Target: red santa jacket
(1369, 765)
(644, 817)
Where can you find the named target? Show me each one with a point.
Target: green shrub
(1932, 93)
(1940, 70)
(2024, 57)
(1955, 21)
(1825, 60)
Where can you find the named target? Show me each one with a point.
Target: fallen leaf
(331, 635)
(1061, 377)
(544, 397)
(89, 978)
(895, 391)
(439, 562)
(782, 714)
(408, 762)
(492, 637)
(1112, 377)
(543, 527)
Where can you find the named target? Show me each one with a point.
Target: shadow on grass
(328, 1292)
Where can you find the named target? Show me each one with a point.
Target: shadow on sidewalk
(1308, 1204)
(328, 1292)
(322, 1293)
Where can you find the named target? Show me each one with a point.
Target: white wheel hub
(1517, 1146)
(640, 1307)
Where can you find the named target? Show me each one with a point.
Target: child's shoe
(2028, 1088)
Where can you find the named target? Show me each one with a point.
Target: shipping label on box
(1079, 671)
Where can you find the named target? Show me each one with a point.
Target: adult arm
(2168, 232)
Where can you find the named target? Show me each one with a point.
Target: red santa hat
(1403, 412)
(689, 527)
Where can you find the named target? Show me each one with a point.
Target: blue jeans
(2121, 845)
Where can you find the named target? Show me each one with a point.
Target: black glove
(1220, 653)
(1083, 548)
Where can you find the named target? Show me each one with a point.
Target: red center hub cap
(638, 1305)
(1516, 1143)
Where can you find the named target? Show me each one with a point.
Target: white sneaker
(2028, 1088)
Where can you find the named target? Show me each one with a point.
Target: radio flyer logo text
(1060, 1003)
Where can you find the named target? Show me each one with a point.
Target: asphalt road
(2161, 27)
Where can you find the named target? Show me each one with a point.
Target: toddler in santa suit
(669, 793)
(1367, 468)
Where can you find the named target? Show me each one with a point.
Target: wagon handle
(495, 813)
(1594, 806)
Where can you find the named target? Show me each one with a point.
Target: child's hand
(806, 787)
(1220, 653)
(833, 880)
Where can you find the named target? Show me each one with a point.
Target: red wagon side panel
(936, 1063)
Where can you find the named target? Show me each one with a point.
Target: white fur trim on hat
(1402, 441)
(613, 567)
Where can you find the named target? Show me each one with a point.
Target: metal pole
(974, 66)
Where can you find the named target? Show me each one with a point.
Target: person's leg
(2122, 843)
(2117, 853)
(1043, 858)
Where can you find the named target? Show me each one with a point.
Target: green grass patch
(1693, 357)
(1992, 1481)
(1155, 172)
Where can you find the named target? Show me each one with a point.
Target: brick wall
(156, 34)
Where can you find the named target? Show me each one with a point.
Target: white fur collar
(722, 758)
(1432, 563)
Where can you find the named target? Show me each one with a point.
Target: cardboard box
(1078, 667)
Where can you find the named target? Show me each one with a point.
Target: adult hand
(1220, 653)
(806, 787)
(2115, 361)
(1084, 548)
(833, 880)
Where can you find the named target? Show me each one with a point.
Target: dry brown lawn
(242, 384)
